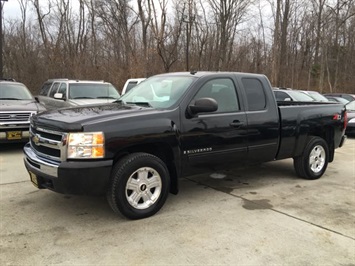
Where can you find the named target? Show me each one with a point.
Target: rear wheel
(139, 185)
(314, 160)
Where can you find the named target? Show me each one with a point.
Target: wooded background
(302, 44)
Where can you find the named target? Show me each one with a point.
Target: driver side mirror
(202, 105)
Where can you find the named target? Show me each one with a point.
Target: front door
(217, 139)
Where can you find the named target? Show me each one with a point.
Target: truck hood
(80, 102)
(20, 105)
(73, 119)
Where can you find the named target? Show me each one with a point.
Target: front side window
(282, 96)
(54, 89)
(223, 91)
(63, 89)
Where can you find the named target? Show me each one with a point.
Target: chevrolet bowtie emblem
(35, 140)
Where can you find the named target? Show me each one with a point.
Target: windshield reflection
(158, 91)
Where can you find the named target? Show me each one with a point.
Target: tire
(314, 160)
(139, 186)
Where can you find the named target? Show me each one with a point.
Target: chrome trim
(39, 140)
(18, 112)
(45, 167)
(15, 123)
(49, 131)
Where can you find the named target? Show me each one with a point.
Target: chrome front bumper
(36, 164)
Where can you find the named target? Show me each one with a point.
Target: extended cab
(173, 125)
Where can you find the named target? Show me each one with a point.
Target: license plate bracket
(14, 135)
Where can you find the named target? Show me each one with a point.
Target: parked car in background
(17, 105)
(291, 95)
(336, 99)
(59, 93)
(316, 96)
(130, 83)
(350, 109)
(347, 96)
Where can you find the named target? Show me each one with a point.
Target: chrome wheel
(317, 159)
(143, 188)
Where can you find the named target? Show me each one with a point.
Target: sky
(11, 9)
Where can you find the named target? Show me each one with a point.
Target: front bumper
(72, 177)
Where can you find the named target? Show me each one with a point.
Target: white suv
(60, 93)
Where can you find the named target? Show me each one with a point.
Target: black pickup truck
(173, 125)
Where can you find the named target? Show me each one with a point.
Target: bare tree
(166, 35)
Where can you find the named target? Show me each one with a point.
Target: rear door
(263, 119)
(217, 139)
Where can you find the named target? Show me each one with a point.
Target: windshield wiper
(105, 97)
(10, 99)
(83, 97)
(144, 104)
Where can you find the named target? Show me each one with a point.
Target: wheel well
(161, 150)
(327, 133)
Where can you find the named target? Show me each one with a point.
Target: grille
(15, 116)
(48, 144)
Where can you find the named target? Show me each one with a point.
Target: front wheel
(314, 160)
(139, 185)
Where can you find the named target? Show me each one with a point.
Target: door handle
(236, 123)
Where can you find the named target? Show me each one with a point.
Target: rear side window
(45, 88)
(255, 94)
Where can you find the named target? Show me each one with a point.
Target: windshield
(317, 96)
(350, 106)
(15, 91)
(158, 91)
(92, 91)
(300, 96)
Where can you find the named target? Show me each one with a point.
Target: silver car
(61, 93)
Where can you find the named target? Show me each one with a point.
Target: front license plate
(13, 135)
(33, 179)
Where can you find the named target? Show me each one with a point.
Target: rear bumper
(74, 177)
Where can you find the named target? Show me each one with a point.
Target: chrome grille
(15, 117)
(48, 144)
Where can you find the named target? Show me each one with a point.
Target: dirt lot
(262, 215)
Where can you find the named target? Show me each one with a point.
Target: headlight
(86, 145)
(352, 120)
